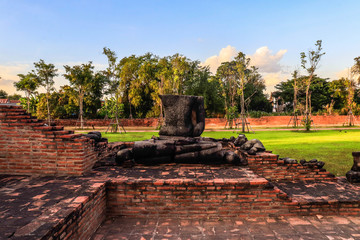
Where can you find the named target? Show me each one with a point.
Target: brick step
(22, 116)
(70, 136)
(5, 107)
(58, 132)
(326, 198)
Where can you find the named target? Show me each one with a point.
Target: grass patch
(129, 136)
(334, 147)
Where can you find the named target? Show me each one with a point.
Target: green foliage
(306, 121)
(32, 101)
(3, 94)
(14, 96)
(45, 74)
(111, 107)
(259, 114)
(28, 83)
(356, 68)
(232, 113)
(87, 86)
(321, 92)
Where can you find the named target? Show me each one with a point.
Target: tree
(181, 72)
(255, 99)
(83, 80)
(355, 70)
(3, 94)
(28, 83)
(227, 81)
(320, 89)
(242, 64)
(233, 77)
(310, 62)
(128, 72)
(45, 74)
(295, 103)
(14, 96)
(162, 83)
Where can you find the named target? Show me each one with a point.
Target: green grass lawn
(334, 147)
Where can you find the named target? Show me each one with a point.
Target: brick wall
(189, 198)
(28, 146)
(84, 220)
(270, 167)
(213, 122)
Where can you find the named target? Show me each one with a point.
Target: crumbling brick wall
(29, 146)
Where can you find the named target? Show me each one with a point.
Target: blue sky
(273, 33)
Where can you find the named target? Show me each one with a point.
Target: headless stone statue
(184, 116)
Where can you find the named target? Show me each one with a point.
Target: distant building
(4, 101)
(9, 102)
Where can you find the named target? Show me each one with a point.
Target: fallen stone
(232, 158)
(289, 160)
(123, 155)
(240, 140)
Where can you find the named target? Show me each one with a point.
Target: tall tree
(310, 62)
(81, 78)
(128, 72)
(242, 64)
(112, 73)
(45, 74)
(28, 83)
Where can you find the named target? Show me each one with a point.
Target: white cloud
(345, 73)
(8, 74)
(266, 61)
(226, 54)
(263, 58)
(271, 79)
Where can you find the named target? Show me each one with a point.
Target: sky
(271, 33)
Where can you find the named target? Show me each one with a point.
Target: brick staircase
(29, 146)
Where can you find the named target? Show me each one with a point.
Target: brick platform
(197, 191)
(74, 207)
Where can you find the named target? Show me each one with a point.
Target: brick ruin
(29, 147)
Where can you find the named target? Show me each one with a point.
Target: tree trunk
(307, 103)
(242, 107)
(295, 103)
(48, 108)
(81, 105)
(130, 116)
(28, 102)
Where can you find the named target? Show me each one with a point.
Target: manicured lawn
(334, 147)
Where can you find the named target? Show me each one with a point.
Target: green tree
(84, 81)
(113, 80)
(3, 94)
(14, 96)
(28, 83)
(242, 64)
(310, 62)
(45, 74)
(181, 72)
(356, 69)
(320, 89)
